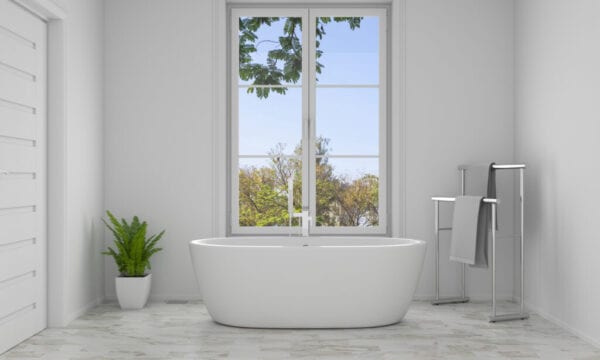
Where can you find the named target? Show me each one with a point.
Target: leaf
(133, 249)
(288, 52)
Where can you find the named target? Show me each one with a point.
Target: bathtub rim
(399, 242)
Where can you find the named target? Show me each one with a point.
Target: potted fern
(132, 254)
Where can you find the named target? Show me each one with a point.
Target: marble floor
(185, 331)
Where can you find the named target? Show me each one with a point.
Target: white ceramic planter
(133, 292)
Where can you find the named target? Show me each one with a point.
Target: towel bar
(453, 199)
(494, 317)
(496, 167)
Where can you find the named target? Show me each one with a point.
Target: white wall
(558, 132)
(85, 154)
(158, 121)
(81, 234)
(158, 129)
(459, 109)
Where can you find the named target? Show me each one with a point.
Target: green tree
(262, 203)
(359, 201)
(263, 192)
(288, 52)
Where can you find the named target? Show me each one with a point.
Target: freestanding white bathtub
(311, 282)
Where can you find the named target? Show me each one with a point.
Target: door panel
(17, 193)
(16, 258)
(16, 158)
(16, 87)
(18, 225)
(19, 124)
(22, 175)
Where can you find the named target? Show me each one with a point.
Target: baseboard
(167, 297)
(418, 297)
(160, 297)
(556, 321)
(82, 310)
(473, 297)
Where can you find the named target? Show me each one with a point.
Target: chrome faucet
(305, 218)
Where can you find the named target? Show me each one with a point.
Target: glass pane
(264, 194)
(347, 50)
(347, 120)
(270, 51)
(347, 192)
(271, 124)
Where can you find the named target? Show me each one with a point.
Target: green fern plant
(133, 249)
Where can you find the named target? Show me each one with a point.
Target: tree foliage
(341, 201)
(284, 63)
(133, 249)
(263, 190)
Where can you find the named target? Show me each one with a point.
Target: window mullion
(311, 118)
(234, 156)
(306, 109)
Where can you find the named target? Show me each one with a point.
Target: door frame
(54, 15)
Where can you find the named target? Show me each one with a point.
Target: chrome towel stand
(494, 317)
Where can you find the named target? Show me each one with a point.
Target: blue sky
(347, 116)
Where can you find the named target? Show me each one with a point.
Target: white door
(22, 174)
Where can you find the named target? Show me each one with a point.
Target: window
(308, 120)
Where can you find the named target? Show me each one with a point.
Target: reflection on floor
(185, 331)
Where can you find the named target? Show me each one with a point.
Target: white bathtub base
(331, 283)
(305, 325)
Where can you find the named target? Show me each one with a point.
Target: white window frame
(309, 86)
